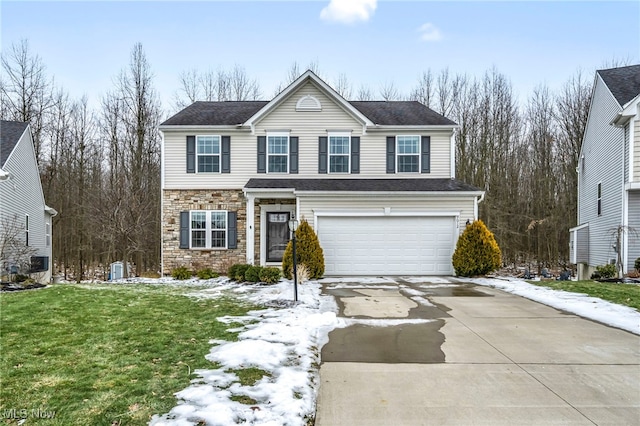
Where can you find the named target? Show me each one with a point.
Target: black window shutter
(184, 230)
(293, 154)
(355, 154)
(426, 154)
(232, 230)
(262, 154)
(191, 154)
(391, 154)
(322, 154)
(226, 154)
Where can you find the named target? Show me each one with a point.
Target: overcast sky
(373, 42)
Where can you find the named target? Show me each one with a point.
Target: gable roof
(236, 113)
(10, 133)
(363, 185)
(227, 113)
(623, 82)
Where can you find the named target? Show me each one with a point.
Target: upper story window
(47, 234)
(339, 153)
(208, 154)
(599, 198)
(26, 230)
(277, 153)
(208, 229)
(408, 154)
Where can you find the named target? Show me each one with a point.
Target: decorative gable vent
(308, 103)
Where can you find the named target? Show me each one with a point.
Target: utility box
(117, 271)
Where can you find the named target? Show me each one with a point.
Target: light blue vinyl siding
(603, 155)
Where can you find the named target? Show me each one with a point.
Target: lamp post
(293, 226)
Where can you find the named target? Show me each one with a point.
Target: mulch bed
(19, 287)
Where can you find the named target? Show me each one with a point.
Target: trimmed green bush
(637, 264)
(252, 274)
(308, 251)
(270, 275)
(605, 271)
(181, 273)
(207, 274)
(237, 271)
(477, 252)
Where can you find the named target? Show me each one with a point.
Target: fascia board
(440, 127)
(344, 194)
(203, 128)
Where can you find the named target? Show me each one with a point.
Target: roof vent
(308, 103)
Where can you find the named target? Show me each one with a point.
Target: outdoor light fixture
(293, 226)
(4, 175)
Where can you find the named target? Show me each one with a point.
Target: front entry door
(277, 235)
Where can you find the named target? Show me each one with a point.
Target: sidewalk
(463, 355)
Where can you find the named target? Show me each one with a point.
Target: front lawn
(622, 294)
(103, 354)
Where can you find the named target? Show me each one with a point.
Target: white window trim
(419, 154)
(47, 234)
(276, 134)
(599, 199)
(329, 155)
(219, 154)
(208, 230)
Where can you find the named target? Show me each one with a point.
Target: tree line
(100, 167)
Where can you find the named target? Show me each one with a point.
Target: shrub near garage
(308, 252)
(477, 252)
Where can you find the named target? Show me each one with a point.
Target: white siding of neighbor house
(308, 206)
(633, 233)
(636, 151)
(23, 195)
(307, 126)
(603, 157)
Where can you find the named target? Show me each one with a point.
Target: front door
(277, 235)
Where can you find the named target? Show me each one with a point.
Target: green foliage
(622, 294)
(605, 271)
(207, 274)
(270, 275)
(477, 252)
(252, 274)
(237, 271)
(637, 264)
(19, 278)
(181, 273)
(308, 251)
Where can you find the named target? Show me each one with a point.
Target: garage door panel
(387, 245)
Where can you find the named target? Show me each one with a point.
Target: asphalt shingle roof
(403, 113)
(216, 113)
(10, 132)
(362, 185)
(624, 82)
(399, 113)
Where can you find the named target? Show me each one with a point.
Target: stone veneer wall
(176, 201)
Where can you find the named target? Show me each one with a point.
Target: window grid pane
(408, 145)
(278, 164)
(278, 145)
(218, 239)
(408, 163)
(218, 220)
(208, 163)
(339, 145)
(339, 164)
(208, 144)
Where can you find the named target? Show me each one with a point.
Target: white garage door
(387, 245)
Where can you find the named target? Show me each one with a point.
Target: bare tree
(342, 86)
(424, 91)
(364, 94)
(26, 92)
(389, 91)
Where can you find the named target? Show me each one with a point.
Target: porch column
(250, 228)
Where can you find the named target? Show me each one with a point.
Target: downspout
(477, 201)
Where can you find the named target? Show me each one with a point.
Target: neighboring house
(374, 179)
(609, 175)
(25, 219)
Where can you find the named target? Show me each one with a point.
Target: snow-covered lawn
(285, 340)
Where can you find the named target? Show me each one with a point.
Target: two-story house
(374, 179)
(25, 219)
(609, 175)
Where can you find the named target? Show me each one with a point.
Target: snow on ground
(285, 339)
(583, 305)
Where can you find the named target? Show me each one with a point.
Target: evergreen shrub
(181, 273)
(207, 274)
(236, 272)
(308, 252)
(270, 275)
(252, 274)
(477, 252)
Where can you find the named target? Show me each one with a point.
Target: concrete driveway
(449, 353)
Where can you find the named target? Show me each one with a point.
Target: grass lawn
(103, 354)
(622, 294)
